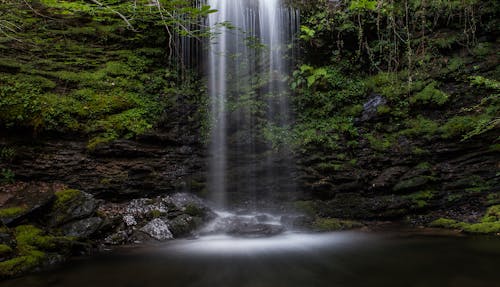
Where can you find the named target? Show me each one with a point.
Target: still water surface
(290, 260)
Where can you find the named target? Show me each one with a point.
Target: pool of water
(289, 260)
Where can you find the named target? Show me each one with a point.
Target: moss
(420, 199)
(65, 196)
(332, 224)
(492, 214)
(445, 223)
(155, 214)
(305, 206)
(481, 228)
(458, 126)
(11, 212)
(490, 223)
(29, 237)
(21, 264)
(5, 249)
(380, 143)
(194, 210)
(420, 126)
(430, 95)
(413, 183)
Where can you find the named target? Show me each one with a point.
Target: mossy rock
(71, 205)
(19, 265)
(32, 244)
(490, 223)
(10, 214)
(413, 183)
(5, 250)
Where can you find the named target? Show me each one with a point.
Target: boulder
(158, 230)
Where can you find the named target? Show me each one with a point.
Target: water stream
(248, 65)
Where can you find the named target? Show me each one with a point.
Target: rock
(129, 220)
(370, 108)
(192, 205)
(255, 230)
(388, 177)
(157, 229)
(118, 238)
(145, 207)
(71, 205)
(184, 224)
(82, 228)
(413, 183)
(21, 200)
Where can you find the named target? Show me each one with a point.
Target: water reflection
(291, 260)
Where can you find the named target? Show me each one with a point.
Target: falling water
(248, 65)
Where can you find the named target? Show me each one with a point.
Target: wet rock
(255, 230)
(184, 224)
(21, 200)
(147, 207)
(370, 108)
(157, 229)
(72, 205)
(389, 177)
(118, 238)
(82, 228)
(129, 220)
(413, 183)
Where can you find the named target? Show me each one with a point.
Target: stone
(370, 108)
(71, 205)
(183, 225)
(157, 229)
(83, 228)
(255, 230)
(129, 220)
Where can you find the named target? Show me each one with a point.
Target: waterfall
(248, 65)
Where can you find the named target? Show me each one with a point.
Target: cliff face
(404, 128)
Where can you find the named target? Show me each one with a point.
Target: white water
(238, 60)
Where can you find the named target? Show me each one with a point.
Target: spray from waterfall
(248, 64)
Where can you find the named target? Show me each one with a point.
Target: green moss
(492, 214)
(430, 95)
(413, 183)
(420, 199)
(29, 237)
(65, 196)
(155, 214)
(380, 143)
(481, 228)
(445, 223)
(18, 265)
(333, 224)
(458, 126)
(194, 210)
(11, 212)
(490, 223)
(305, 206)
(420, 126)
(5, 249)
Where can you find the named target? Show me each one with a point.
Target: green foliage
(430, 95)
(484, 82)
(7, 154)
(7, 175)
(362, 5)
